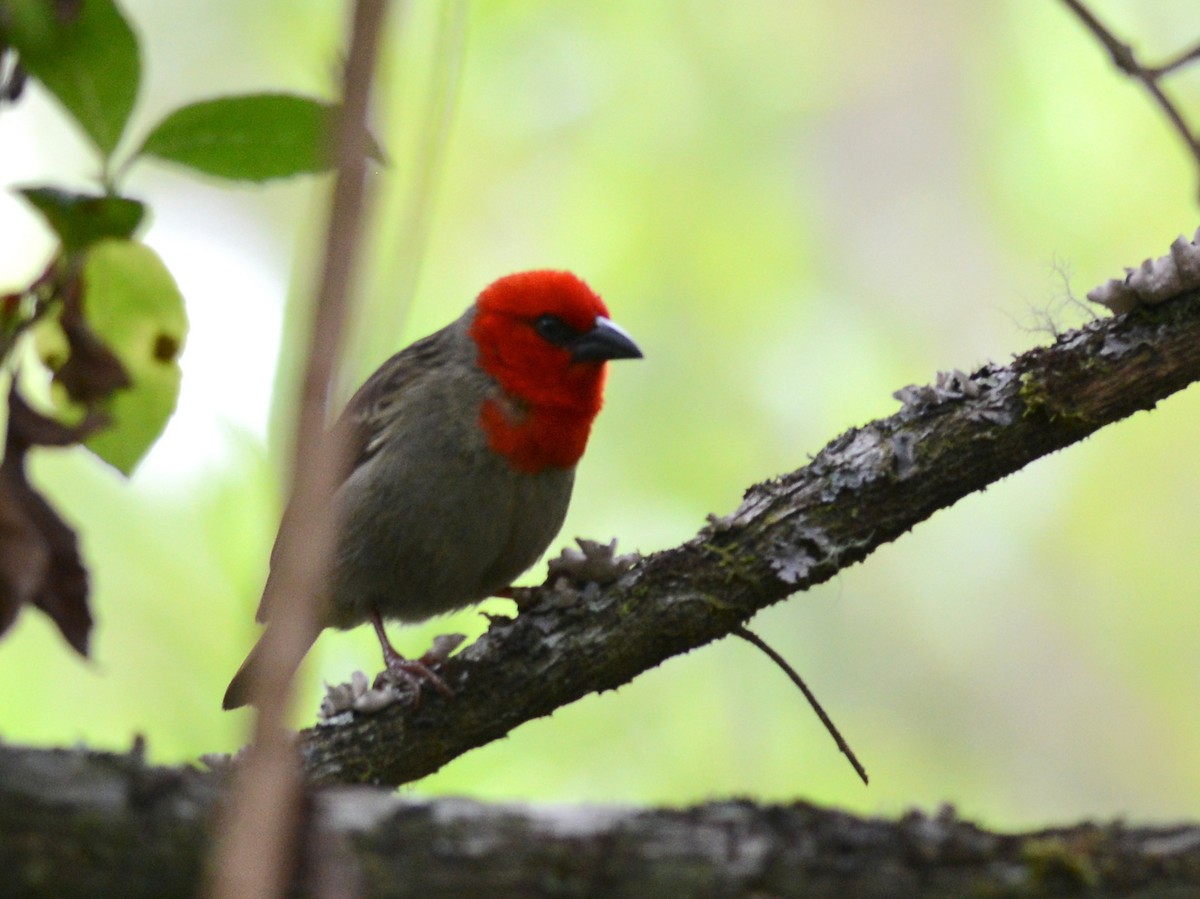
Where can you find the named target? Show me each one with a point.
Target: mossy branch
(864, 489)
(77, 823)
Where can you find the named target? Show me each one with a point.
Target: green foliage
(135, 307)
(85, 54)
(88, 58)
(107, 316)
(250, 138)
(82, 219)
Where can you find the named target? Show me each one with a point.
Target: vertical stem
(258, 833)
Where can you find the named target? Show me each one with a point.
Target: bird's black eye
(554, 330)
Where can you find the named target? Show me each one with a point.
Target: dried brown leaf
(39, 554)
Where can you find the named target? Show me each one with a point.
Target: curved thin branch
(819, 710)
(864, 489)
(1126, 61)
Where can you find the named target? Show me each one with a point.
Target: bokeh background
(797, 208)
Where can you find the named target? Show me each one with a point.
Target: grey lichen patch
(904, 453)
(947, 387)
(980, 390)
(793, 568)
(795, 559)
(359, 695)
(593, 563)
(719, 524)
(575, 576)
(857, 458)
(944, 836)
(1118, 346)
(993, 405)
(1155, 280)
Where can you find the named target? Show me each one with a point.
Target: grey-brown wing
(363, 424)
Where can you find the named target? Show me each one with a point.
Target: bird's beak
(606, 340)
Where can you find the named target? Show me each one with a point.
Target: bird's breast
(437, 520)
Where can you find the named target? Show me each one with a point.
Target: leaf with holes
(131, 302)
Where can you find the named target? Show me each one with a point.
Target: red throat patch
(545, 414)
(542, 439)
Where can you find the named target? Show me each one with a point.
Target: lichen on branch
(864, 489)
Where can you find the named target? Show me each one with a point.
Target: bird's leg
(412, 671)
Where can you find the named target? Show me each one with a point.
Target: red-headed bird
(462, 452)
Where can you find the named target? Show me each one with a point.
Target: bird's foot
(415, 673)
(401, 681)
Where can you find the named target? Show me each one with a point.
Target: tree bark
(78, 823)
(81, 824)
(864, 489)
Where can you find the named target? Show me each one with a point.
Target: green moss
(1038, 400)
(1055, 868)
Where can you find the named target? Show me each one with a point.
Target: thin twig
(1124, 59)
(258, 834)
(750, 637)
(1177, 63)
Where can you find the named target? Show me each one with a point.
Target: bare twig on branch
(755, 640)
(260, 828)
(866, 488)
(1126, 60)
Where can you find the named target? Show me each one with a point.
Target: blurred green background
(796, 208)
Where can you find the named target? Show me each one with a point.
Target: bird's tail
(238, 692)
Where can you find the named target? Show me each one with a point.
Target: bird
(461, 459)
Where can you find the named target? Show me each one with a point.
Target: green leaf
(83, 219)
(254, 137)
(83, 52)
(132, 303)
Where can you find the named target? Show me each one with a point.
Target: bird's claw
(414, 673)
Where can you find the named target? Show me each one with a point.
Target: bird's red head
(544, 336)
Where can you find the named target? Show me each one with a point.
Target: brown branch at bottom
(80, 824)
(864, 489)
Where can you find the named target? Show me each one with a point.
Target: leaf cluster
(105, 319)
